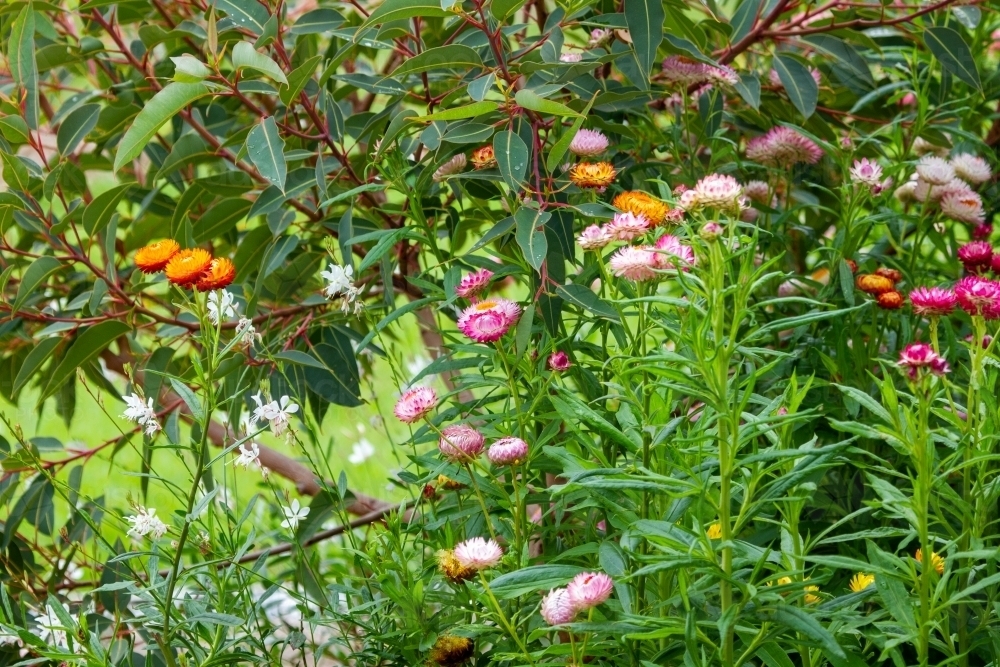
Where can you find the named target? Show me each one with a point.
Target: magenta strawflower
(461, 442)
(782, 147)
(557, 607)
(971, 168)
(983, 231)
(589, 589)
(507, 451)
(976, 256)
(917, 357)
(935, 170)
(636, 263)
(866, 172)
(933, 301)
(559, 361)
(478, 554)
(415, 403)
(626, 227)
(587, 143)
(963, 206)
(488, 320)
(979, 296)
(718, 191)
(474, 284)
(594, 237)
(672, 254)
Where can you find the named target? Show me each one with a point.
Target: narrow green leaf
(394, 10)
(161, 108)
(367, 187)
(189, 398)
(458, 113)
(298, 79)
(560, 147)
(266, 150)
(530, 100)
(645, 24)
(452, 56)
(34, 361)
(99, 211)
(581, 296)
(188, 69)
(21, 58)
(86, 346)
(220, 218)
(512, 158)
(801, 621)
(316, 21)
(798, 82)
(15, 174)
(246, 57)
(76, 126)
(953, 53)
(14, 129)
(530, 235)
(743, 19)
(33, 278)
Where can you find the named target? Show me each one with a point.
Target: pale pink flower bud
(557, 608)
(588, 143)
(508, 451)
(461, 442)
(415, 403)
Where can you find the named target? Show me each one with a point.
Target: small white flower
(221, 306)
(361, 452)
(246, 332)
(274, 412)
(146, 523)
(141, 413)
(340, 281)
(293, 515)
(50, 629)
(248, 457)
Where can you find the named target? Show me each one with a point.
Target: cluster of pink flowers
(685, 72)
(783, 147)
(916, 358)
(979, 296)
(487, 321)
(948, 184)
(586, 591)
(462, 443)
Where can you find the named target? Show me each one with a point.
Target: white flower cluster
(147, 523)
(276, 413)
(221, 306)
(340, 281)
(141, 413)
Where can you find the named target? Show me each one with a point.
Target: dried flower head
(483, 158)
(589, 589)
(475, 283)
(933, 301)
(758, 191)
(642, 204)
(488, 320)
(936, 560)
(588, 143)
(188, 266)
(592, 174)
(479, 554)
(892, 274)
(461, 442)
(935, 170)
(626, 227)
(871, 283)
(594, 237)
(964, 206)
(155, 256)
(415, 403)
(783, 147)
(219, 274)
(720, 192)
(557, 608)
(450, 650)
(449, 566)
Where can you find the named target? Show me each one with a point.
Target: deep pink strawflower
(995, 264)
(588, 143)
(557, 607)
(976, 256)
(461, 442)
(508, 451)
(626, 227)
(636, 263)
(415, 403)
(559, 361)
(478, 554)
(488, 320)
(917, 357)
(672, 254)
(589, 589)
(933, 301)
(979, 296)
(782, 147)
(474, 284)
(983, 231)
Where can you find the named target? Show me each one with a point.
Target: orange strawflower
(188, 266)
(153, 257)
(874, 284)
(639, 203)
(892, 274)
(483, 158)
(592, 174)
(852, 265)
(936, 560)
(219, 274)
(890, 300)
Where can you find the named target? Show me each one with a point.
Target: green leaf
(458, 113)
(891, 589)
(189, 398)
(531, 100)
(535, 578)
(748, 87)
(298, 79)
(35, 359)
(21, 58)
(801, 621)
(394, 10)
(512, 158)
(33, 278)
(164, 105)
(246, 57)
(99, 211)
(845, 56)
(279, 251)
(188, 69)
(953, 53)
(249, 15)
(319, 20)
(467, 133)
(300, 358)
(560, 147)
(530, 235)
(76, 126)
(15, 174)
(504, 9)
(14, 129)
(744, 18)
(385, 243)
(581, 296)
(798, 82)
(453, 56)
(220, 218)
(266, 150)
(86, 346)
(481, 86)
(645, 24)
(367, 187)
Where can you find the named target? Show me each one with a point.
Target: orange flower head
(188, 266)
(890, 300)
(450, 650)
(592, 174)
(874, 284)
(219, 274)
(892, 274)
(483, 158)
(936, 560)
(639, 203)
(153, 257)
(852, 265)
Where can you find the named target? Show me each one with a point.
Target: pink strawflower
(559, 361)
(672, 254)
(979, 296)
(626, 227)
(589, 589)
(971, 168)
(783, 147)
(587, 143)
(600, 37)
(674, 216)
(933, 301)
(461, 442)
(916, 357)
(475, 283)
(415, 403)
(508, 451)
(478, 554)
(488, 320)
(935, 170)
(879, 188)
(594, 237)
(710, 231)
(976, 256)
(689, 201)
(636, 263)
(983, 231)
(719, 191)
(866, 172)
(964, 206)
(557, 607)
(758, 191)
(995, 263)
(955, 186)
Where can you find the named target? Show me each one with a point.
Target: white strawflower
(935, 170)
(971, 168)
(293, 515)
(221, 306)
(478, 554)
(146, 523)
(141, 413)
(570, 57)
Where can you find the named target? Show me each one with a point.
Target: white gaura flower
(361, 452)
(50, 629)
(276, 413)
(248, 456)
(146, 523)
(221, 306)
(293, 515)
(141, 413)
(245, 332)
(340, 281)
